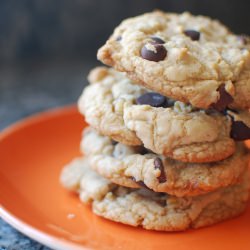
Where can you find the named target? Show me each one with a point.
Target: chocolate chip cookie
(150, 210)
(193, 59)
(134, 166)
(133, 115)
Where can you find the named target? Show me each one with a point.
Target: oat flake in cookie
(136, 167)
(188, 58)
(150, 210)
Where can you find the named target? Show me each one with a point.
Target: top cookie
(190, 58)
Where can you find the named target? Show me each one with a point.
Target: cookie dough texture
(192, 71)
(178, 131)
(77, 177)
(126, 166)
(102, 103)
(155, 211)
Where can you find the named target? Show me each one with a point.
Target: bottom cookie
(152, 210)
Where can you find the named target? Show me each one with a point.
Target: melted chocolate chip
(159, 165)
(240, 131)
(193, 34)
(150, 55)
(224, 100)
(153, 99)
(157, 40)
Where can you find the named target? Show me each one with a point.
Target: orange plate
(32, 154)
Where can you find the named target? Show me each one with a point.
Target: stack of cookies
(165, 148)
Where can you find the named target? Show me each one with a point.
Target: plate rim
(37, 117)
(23, 227)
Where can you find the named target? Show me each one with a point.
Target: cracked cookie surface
(135, 167)
(150, 210)
(110, 105)
(182, 56)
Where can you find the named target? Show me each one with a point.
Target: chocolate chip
(159, 165)
(193, 34)
(144, 151)
(119, 38)
(157, 40)
(171, 102)
(240, 131)
(155, 56)
(153, 99)
(224, 100)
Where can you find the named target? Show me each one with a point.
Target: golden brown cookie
(193, 59)
(153, 211)
(135, 167)
(132, 115)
